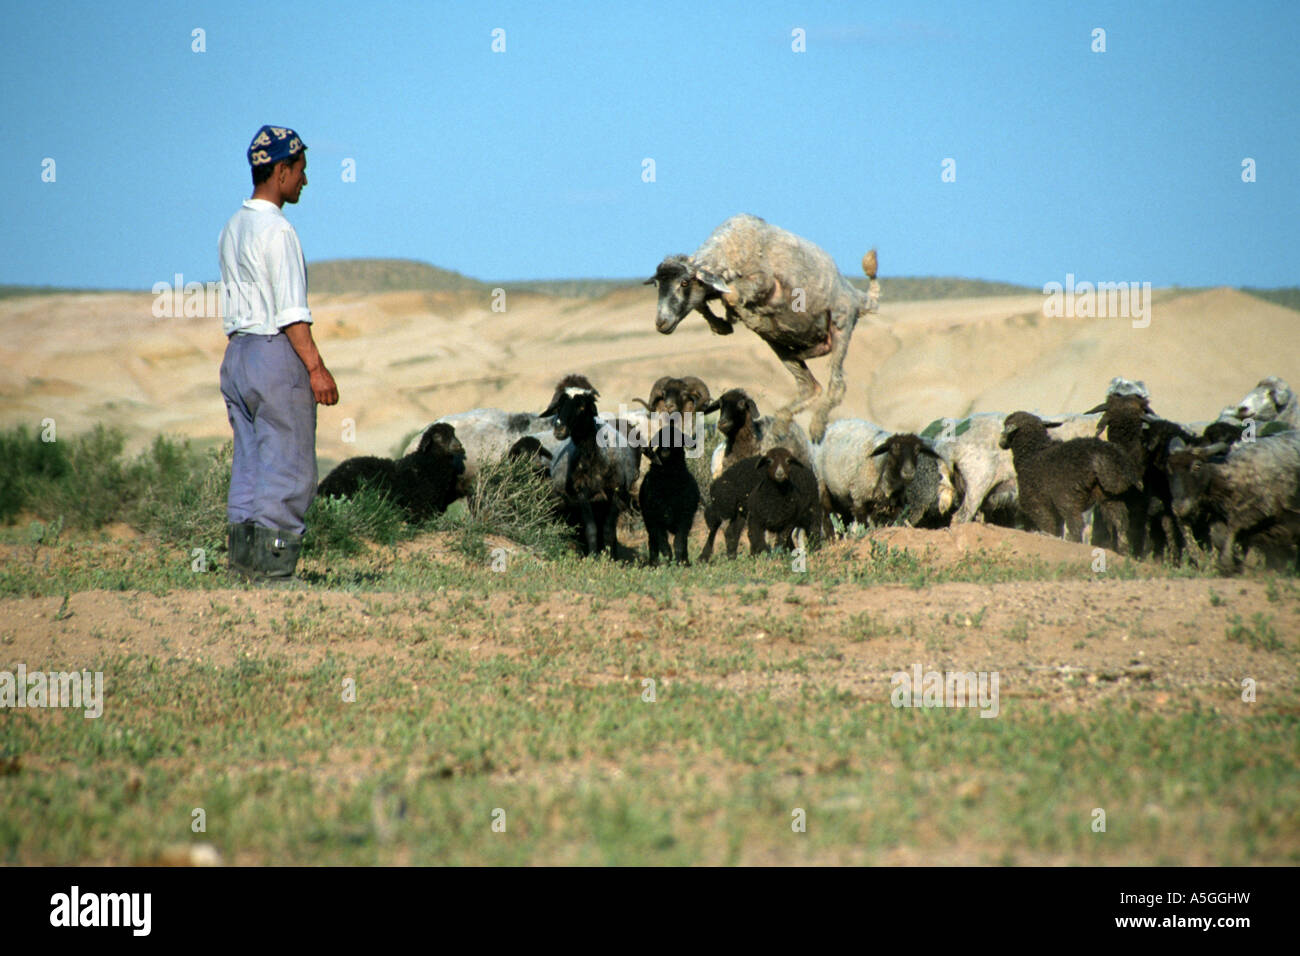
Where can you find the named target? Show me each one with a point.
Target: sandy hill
(402, 358)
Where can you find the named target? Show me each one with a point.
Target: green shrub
(342, 524)
(509, 499)
(183, 493)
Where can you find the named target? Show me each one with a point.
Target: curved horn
(697, 386)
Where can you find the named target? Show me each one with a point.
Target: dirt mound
(947, 546)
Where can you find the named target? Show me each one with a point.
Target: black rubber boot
(239, 548)
(275, 554)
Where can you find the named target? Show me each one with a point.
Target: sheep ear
(753, 409)
(925, 449)
(1053, 424)
(883, 449)
(713, 281)
(762, 463)
(1095, 409)
(1209, 451)
(709, 407)
(1281, 395)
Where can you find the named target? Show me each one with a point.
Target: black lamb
(422, 483)
(785, 498)
(1059, 481)
(669, 494)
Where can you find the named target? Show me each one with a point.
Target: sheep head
(1222, 432)
(568, 386)
(683, 287)
(900, 467)
(1190, 475)
(779, 464)
(1021, 425)
(1266, 400)
(683, 395)
(735, 410)
(668, 443)
(440, 439)
(1121, 406)
(575, 415)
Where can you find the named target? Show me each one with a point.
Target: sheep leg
(732, 535)
(591, 531)
(839, 348)
(680, 540)
(757, 539)
(652, 533)
(1117, 516)
(1041, 517)
(713, 522)
(809, 387)
(611, 531)
(1227, 549)
(719, 325)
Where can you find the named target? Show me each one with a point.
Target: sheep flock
(1117, 475)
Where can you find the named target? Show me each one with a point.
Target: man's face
(292, 178)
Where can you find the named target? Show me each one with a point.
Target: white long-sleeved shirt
(263, 274)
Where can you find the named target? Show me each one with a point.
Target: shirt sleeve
(288, 272)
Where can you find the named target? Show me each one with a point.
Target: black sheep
(785, 498)
(727, 497)
(429, 479)
(1059, 481)
(669, 495)
(592, 479)
(422, 483)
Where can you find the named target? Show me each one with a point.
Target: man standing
(272, 375)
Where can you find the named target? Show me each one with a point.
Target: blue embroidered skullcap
(272, 144)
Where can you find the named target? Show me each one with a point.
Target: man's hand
(322, 382)
(323, 387)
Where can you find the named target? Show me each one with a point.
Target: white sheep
(1270, 400)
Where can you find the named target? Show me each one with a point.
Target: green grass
(177, 494)
(289, 773)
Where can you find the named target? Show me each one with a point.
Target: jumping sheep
(784, 288)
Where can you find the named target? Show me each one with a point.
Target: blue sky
(1122, 165)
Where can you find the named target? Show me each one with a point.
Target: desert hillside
(402, 358)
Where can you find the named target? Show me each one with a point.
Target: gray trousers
(273, 413)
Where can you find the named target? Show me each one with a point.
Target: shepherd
(272, 375)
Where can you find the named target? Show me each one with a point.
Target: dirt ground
(1075, 642)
